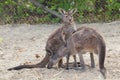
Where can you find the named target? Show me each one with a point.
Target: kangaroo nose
(70, 20)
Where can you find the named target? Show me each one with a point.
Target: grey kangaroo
(83, 40)
(56, 40)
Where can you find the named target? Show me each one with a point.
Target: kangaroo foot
(103, 72)
(61, 66)
(92, 66)
(82, 69)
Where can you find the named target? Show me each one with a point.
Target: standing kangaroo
(56, 40)
(83, 40)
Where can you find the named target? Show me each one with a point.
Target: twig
(58, 73)
(46, 9)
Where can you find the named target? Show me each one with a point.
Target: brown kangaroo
(56, 40)
(84, 40)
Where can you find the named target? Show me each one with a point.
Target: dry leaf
(27, 63)
(37, 56)
(20, 50)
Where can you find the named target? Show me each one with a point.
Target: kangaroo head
(68, 15)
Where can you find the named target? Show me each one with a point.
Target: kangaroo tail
(44, 62)
(38, 65)
(102, 53)
(23, 66)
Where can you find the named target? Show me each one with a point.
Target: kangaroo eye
(66, 16)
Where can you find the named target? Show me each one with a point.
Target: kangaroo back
(88, 40)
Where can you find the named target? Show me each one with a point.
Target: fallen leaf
(27, 63)
(37, 56)
(20, 50)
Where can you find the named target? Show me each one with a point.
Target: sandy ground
(21, 44)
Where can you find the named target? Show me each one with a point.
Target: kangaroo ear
(62, 11)
(73, 11)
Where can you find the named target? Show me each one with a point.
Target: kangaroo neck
(70, 25)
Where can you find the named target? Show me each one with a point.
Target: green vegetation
(23, 11)
(1, 39)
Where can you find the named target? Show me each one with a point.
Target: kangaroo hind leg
(82, 60)
(92, 60)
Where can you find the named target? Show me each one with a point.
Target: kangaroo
(84, 40)
(56, 40)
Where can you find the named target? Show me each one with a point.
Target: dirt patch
(25, 44)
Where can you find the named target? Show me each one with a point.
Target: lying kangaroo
(84, 40)
(56, 40)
